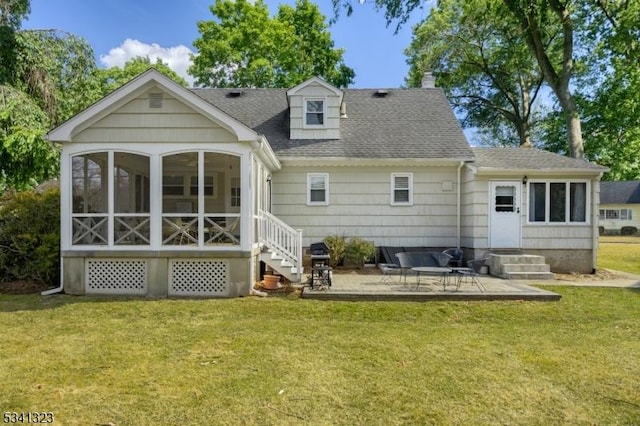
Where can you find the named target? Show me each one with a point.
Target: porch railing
(284, 239)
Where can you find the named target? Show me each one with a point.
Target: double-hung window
(558, 202)
(317, 189)
(314, 112)
(401, 189)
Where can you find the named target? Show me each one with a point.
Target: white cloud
(176, 57)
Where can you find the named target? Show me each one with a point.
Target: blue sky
(120, 29)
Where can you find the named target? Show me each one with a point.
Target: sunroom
(162, 194)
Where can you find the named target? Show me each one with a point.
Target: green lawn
(291, 361)
(619, 253)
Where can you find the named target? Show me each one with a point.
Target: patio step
(281, 266)
(519, 267)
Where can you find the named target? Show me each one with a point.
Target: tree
(114, 77)
(25, 157)
(487, 72)
(12, 12)
(244, 47)
(548, 27)
(57, 70)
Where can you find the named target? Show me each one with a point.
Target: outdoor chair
(472, 272)
(456, 257)
(406, 264)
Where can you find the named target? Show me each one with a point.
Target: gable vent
(155, 100)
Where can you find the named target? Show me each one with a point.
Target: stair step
(529, 276)
(525, 267)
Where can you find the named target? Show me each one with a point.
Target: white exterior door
(504, 214)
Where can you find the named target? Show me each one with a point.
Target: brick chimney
(428, 80)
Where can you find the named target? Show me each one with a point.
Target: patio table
(438, 270)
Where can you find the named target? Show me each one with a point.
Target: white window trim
(324, 113)
(567, 221)
(325, 177)
(393, 189)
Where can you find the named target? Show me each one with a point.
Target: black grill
(320, 269)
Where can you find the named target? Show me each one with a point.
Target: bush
(336, 246)
(30, 237)
(357, 251)
(628, 230)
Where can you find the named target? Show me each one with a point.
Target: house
(167, 191)
(620, 208)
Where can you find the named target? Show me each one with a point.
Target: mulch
(23, 287)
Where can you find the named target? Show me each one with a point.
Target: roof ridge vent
(381, 93)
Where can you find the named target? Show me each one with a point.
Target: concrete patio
(357, 286)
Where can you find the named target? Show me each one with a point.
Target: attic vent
(155, 100)
(381, 93)
(235, 93)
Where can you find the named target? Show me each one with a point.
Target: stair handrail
(279, 236)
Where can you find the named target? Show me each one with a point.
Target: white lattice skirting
(108, 276)
(195, 277)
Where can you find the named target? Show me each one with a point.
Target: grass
(291, 361)
(619, 253)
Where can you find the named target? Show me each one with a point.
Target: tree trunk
(574, 127)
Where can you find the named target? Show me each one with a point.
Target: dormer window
(314, 112)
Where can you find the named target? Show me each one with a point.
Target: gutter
(57, 289)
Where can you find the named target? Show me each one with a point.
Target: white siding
(137, 122)
(332, 118)
(617, 224)
(475, 219)
(360, 205)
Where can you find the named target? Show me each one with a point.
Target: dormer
(314, 110)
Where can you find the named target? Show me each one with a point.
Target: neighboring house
(620, 208)
(174, 191)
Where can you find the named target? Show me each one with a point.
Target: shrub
(30, 236)
(628, 230)
(336, 246)
(357, 251)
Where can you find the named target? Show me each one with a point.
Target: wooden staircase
(281, 247)
(519, 267)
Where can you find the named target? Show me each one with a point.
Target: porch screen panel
(179, 206)
(131, 199)
(221, 219)
(89, 180)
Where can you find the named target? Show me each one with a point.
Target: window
(505, 199)
(314, 112)
(317, 189)
(235, 191)
(615, 214)
(209, 186)
(558, 202)
(401, 189)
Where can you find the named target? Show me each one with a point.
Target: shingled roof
(625, 192)
(405, 123)
(530, 159)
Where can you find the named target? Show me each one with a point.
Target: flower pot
(271, 281)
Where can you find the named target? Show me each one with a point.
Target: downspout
(595, 217)
(459, 207)
(57, 289)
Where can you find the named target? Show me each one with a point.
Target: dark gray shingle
(529, 159)
(625, 192)
(407, 123)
